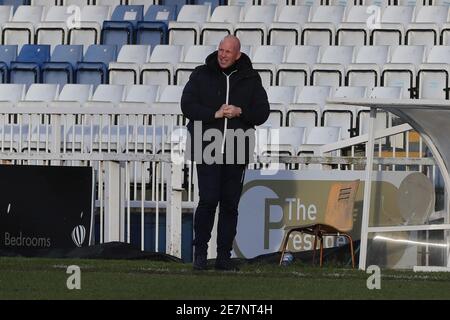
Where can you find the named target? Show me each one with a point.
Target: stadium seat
(353, 31)
(94, 67)
(365, 69)
(253, 29)
(330, 69)
(146, 3)
(340, 115)
(62, 64)
(171, 93)
(391, 30)
(213, 3)
(285, 141)
(265, 59)
(77, 132)
(21, 29)
(382, 118)
(105, 96)
(295, 69)
(15, 3)
(433, 76)
(127, 68)
(112, 3)
(27, 68)
(285, 30)
(322, 135)
(240, 2)
(12, 92)
(6, 14)
(45, 3)
(153, 30)
(194, 56)
(276, 116)
(138, 95)
(78, 3)
(402, 67)
(53, 29)
(186, 30)
(427, 22)
(141, 93)
(8, 53)
(112, 93)
(42, 92)
(87, 31)
(38, 95)
(321, 27)
(160, 69)
(74, 92)
(307, 108)
(281, 94)
(221, 24)
(121, 29)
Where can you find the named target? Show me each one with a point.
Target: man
(224, 94)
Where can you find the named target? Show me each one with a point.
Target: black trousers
(217, 183)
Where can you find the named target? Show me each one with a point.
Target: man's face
(228, 53)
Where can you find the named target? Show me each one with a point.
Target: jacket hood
(242, 64)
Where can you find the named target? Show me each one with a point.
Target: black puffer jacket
(205, 93)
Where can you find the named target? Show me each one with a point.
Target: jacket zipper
(227, 96)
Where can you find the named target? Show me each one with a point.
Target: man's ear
(238, 56)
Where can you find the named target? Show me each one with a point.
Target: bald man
(225, 95)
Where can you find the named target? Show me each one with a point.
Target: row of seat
(81, 93)
(420, 72)
(290, 106)
(321, 25)
(256, 25)
(149, 94)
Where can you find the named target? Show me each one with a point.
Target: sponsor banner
(45, 207)
(273, 200)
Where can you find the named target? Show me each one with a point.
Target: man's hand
(230, 111)
(220, 113)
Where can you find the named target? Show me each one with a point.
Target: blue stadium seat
(62, 64)
(153, 29)
(14, 3)
(121, 29)
(94, 67)
(8, 53)
(27, 68)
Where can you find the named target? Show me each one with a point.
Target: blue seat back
(8, 53)
(101, 53)
(164, 13)
(67, 53)
(14, 3)
(94, 68)
(153, 29)
(131, 13)
(35, 53)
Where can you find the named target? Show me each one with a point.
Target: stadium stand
(116, 70)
